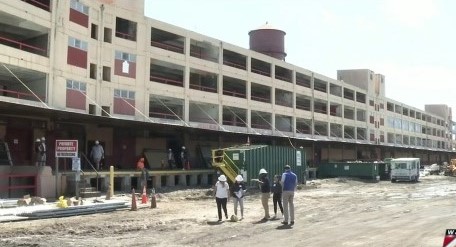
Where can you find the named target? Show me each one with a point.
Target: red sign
(66, 148)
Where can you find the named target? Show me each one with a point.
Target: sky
(411, 42)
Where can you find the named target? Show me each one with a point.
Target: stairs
(86, 190)
(223, 162)
(89, 192)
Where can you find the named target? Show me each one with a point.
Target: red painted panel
(75, 99)
(122, 107)
(123, 149)
(77, 57)
(79, 18)
(20, 143)
(118, 69)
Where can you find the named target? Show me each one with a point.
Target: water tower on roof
(268, 40)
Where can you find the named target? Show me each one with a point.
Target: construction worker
(42, 152)
(170, 159)
(37, 151)
(184, 159)
(265, 192)
(97, 154)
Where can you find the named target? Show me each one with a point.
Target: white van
(405, 169)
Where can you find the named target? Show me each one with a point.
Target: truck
(405, 169)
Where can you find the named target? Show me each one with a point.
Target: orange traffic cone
(133, 200)
(153, 200)
(144, 196)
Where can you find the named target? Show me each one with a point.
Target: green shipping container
(367, 170)
(249, 159)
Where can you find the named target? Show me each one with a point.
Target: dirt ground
(329, 212)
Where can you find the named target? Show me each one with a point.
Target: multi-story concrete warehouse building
(101, 70)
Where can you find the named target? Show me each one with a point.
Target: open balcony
(260, 93)
(166, 73)
(261, 120)
(234, 116)
(30, 86)
(260, 67)
(283, 98)
(23, 35)
(283, 74)
(234, 87)
(126, 29)
(204, 50)
(235, 60)
(167, 41)
(42, 4)
(203, 81)
(166, 107)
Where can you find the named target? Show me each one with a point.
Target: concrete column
(204, 179)
(156, 182)
(170, 181)
(105, 183)
(183, 180)
(126, 184)
(193, 180)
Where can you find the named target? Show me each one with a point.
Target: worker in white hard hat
(97, 154)
(37, 151)
(42, 152)
(221, 194)
(170, 159)
(238, 195)
(265, 192)
(184, 159)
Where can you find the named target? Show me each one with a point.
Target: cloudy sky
(411, 42)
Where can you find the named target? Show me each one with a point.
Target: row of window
(82, 86)
(164, 39)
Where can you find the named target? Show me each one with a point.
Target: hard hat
(37, 140)
(170, 149)
(287, 167)
(43, 139)
(239, 178)
(263, 171)
(183, 147)
(97, 142)
(222, 178)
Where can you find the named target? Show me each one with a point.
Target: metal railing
(12, 186)
(23, 46)
(91, 165)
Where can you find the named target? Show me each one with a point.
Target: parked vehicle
(405, 169)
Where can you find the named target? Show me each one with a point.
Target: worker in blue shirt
(289, 183)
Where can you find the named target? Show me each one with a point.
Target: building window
(106, 73)
(76, 43)
(76, 94)
(125, 94)
(125, 29)
(78, 6)
(124, 102)
(76, 85)
(93, 71)
(107, 35)
(125, 64)
(94, 31)
(79, 13)
(126, 56)
(77, 52)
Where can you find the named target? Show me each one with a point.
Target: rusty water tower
(268, 40)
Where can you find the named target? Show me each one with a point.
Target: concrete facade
(149, 72)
